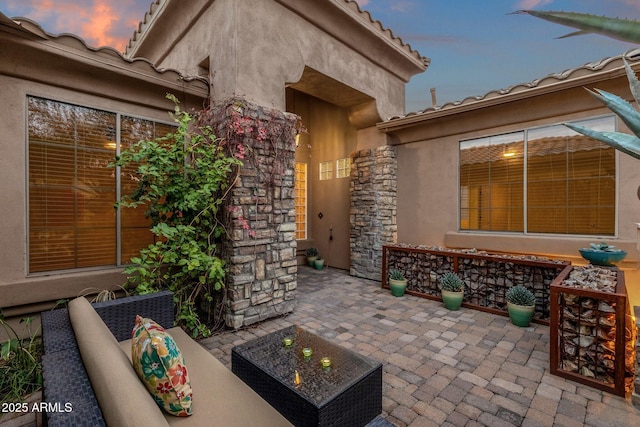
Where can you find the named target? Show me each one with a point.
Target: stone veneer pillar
(260, 246)
(373, 209)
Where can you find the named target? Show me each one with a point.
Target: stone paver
(461, 368)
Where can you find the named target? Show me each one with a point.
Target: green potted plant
(312, 255)
(318, 263)
(521, 304)
(452, 290)
(603, 254)
(397, 283)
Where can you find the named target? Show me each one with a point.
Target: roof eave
(496, 97)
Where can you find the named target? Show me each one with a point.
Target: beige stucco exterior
(328, 49)
(349, 71)
(428, 159)
(64, 69)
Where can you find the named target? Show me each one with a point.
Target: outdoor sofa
(89, 379)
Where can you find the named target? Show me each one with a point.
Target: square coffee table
(349, 393)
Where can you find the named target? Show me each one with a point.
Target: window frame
(325, 171)
(306, 201)
(343, 168)
(525, 133)
(117, 236)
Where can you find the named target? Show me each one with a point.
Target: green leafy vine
(183, 180)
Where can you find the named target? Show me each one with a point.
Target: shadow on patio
(441, 368)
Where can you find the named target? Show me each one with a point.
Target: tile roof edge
(546, 81)
(386, 32)
(35, 28)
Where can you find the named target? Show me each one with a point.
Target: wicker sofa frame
(67, 389)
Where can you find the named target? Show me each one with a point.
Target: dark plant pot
(397, 287)
(520, 315)
(603, 258)
(319, 263)
(452, 300)
(311, 261)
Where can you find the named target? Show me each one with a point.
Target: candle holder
(307, 352)
(288, 342)
(326, 363)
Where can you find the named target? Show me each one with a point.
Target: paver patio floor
(441, 368)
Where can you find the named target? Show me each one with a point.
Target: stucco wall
(428, 175)
(256, 48)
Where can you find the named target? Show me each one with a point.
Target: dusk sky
(475, 46)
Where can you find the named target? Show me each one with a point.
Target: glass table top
(306, 375)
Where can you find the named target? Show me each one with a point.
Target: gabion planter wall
(592, 334)
(487, 276)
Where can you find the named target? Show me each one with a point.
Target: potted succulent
(312, 255)
(452, 290)
(603, 254)
(521, 304)
(318, 263)
(397, 283)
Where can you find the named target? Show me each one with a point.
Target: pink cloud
(98, 22)
(99, 26)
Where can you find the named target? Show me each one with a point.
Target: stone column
(373, 209)
(260, 245)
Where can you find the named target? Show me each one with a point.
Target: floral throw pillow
(160, 365)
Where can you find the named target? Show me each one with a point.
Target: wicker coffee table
(349, 393)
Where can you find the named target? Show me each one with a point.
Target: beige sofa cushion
(220, 398)
(123, 399)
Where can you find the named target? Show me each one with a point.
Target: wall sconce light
(297, 139)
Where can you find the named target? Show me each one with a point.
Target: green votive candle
(307, 352)
(288, 341)
(325, 362)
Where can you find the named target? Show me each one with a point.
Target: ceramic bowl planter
(397, 283)
(521, 305)
(318, 263)
(452, 290)
(603, 254)
(452, 300)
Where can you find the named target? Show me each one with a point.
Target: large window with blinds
(548, 180)
(72, 191)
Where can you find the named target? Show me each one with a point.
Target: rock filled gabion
(487, 276)
(587, 327)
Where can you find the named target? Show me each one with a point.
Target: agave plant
(519, 295)
(620, 29)
(451, 282)
(616, 28)
(603, 247)
(396, 275)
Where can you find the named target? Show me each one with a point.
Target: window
(544, 180)
(343, 168)
(301, 201)
(326, 171)
(72, 221)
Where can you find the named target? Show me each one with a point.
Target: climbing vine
(182, 180)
